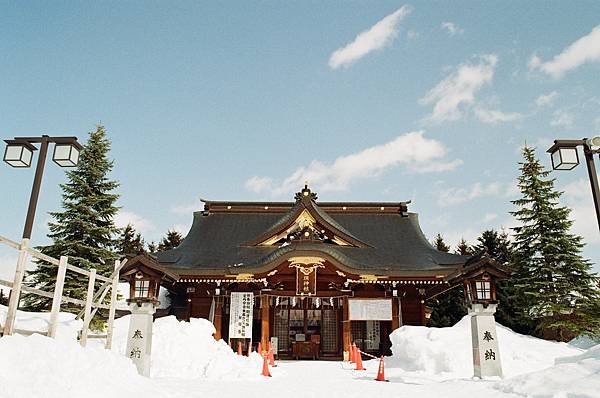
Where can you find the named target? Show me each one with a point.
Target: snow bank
(188, 350)
(67, 327)
(446, 352)
(38, 366)
(574, 376)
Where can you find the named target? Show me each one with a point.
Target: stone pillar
(139, 339)
(486, 355)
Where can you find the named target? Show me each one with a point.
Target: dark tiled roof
(397, 245)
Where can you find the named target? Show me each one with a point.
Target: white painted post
(486, 354)
(113, 303)
(139, 340)
(15, 294)
(57, 298)
(88, 308)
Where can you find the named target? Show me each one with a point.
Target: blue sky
(389, 101)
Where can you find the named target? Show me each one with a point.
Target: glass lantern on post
(564, 157)
(18, 153)
(66, 154)
(481, 289)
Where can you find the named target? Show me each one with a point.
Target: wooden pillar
(218, 317)
(346, 336)
(395, 314)
(265, 324)
(423, 317)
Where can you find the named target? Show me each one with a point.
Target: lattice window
(280, 329)
(142, 288)
(358, 333)
(329, 331)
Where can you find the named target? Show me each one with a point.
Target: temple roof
(369, 237)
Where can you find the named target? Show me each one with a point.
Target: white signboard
(370, 309)
(241, 307)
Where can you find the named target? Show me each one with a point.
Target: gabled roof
(385, 238)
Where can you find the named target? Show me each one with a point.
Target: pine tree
(130, 241)
(170, 241)
(152, 248)
(449, 307)
(84, 230)
(498, 246)
(439, 244)
(463, 248)
(555, 284)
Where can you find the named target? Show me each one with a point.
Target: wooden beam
(113, 305)
(265, 324)
(346, 336)
(57, 297)
(15, 295)
(218, 317)
(88, 308)
(395, 313)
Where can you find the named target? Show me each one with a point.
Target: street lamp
(19, 153)
(565, 156)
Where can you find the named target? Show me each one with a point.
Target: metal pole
(35, 191)
(589, 160)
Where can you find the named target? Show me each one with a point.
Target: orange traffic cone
(358, 359)
(265, 371)
(353, 353)
(259, 348)
(381, 372)
(239, 350)
(271, 355)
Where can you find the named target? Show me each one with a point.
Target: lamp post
(565, 156)
(19, 154)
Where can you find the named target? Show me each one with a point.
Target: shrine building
(311, 277)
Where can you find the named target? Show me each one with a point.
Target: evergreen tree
(170, 241)
(496, 245)
(555, 284)
(463, 248)
(152, 248)
(84, 230)
(449, 307)
(130, 241)
(439, 244)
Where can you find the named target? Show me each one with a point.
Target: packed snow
(446, 352)
(188, 362)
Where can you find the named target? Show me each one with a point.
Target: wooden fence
(94, 298)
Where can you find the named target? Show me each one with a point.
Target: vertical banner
(306, 281)
(373, 335)
(241, 307)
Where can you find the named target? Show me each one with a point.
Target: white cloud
(458, 90)
(456, 196)
(375, 38)
(489, 217)
(417, 153)
(546, 99)
(452, 28)
(411, 34)
(142, 225)
(578, 196)
(585, 49)
(186, 209)
(258, 184)
(492, 116)
(563, 119)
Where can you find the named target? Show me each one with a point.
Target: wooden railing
(94, 298)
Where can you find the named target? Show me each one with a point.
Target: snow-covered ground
(188, 362)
